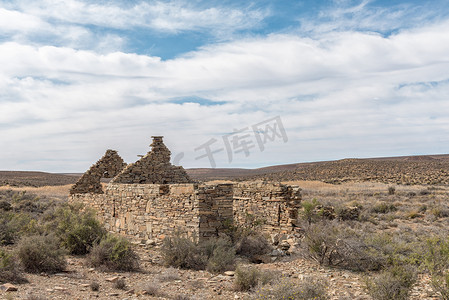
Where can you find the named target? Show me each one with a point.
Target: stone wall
(273, 206)
(153, 211)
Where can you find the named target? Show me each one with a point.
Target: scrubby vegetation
(381, 239)
(394, 283)
(41, 253)
(77, 230)
(9, 269)
(248, 277)
(114, 253)
(43, 231)
(284, 288)
(217, 254)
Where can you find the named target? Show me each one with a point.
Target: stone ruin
(109, 166)
(151, 199)
(154, 167)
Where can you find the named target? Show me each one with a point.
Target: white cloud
(366, 15)
(340, 94)
(171, 16)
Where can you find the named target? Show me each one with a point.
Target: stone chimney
(160, 152)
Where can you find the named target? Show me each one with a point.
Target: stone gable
(108, 166)
(153, 168)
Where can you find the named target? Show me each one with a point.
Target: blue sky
(343, 78)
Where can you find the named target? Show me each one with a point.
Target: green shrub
(395, 249)
(77, 230)
(436, 260)
(308, 289)
(309, 212)
(114, 253)
(41, 254)
(7, 233)
(9, 270)
(392, 284)
(15, 225)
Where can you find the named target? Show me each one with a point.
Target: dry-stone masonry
(275, 206)
(107, 167)
(151, 199)
(154, 167)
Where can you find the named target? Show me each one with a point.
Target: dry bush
(391, 190)
(384, 208)
(120, 284)
(440, 211)
(152, 288)
(35, 297)
(220, 253)
(170, 274)
(332, 244)
(41, 254)
(308, 289)
(253, 246)
(9, 270)
(183, 253)
(181, 297)
(94, 286)
(114, 253)
(216, 254)
(392, 284)
(246, 278)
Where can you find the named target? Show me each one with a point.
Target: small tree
(309, 210)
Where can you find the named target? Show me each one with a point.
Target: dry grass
(58, 191)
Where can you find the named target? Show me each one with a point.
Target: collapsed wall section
(154, 167)
(108, 166)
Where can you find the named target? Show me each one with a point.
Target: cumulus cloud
(340, 90)
(342, 94)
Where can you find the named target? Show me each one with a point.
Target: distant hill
(35, 179)
(422, 169)
(331, 171)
